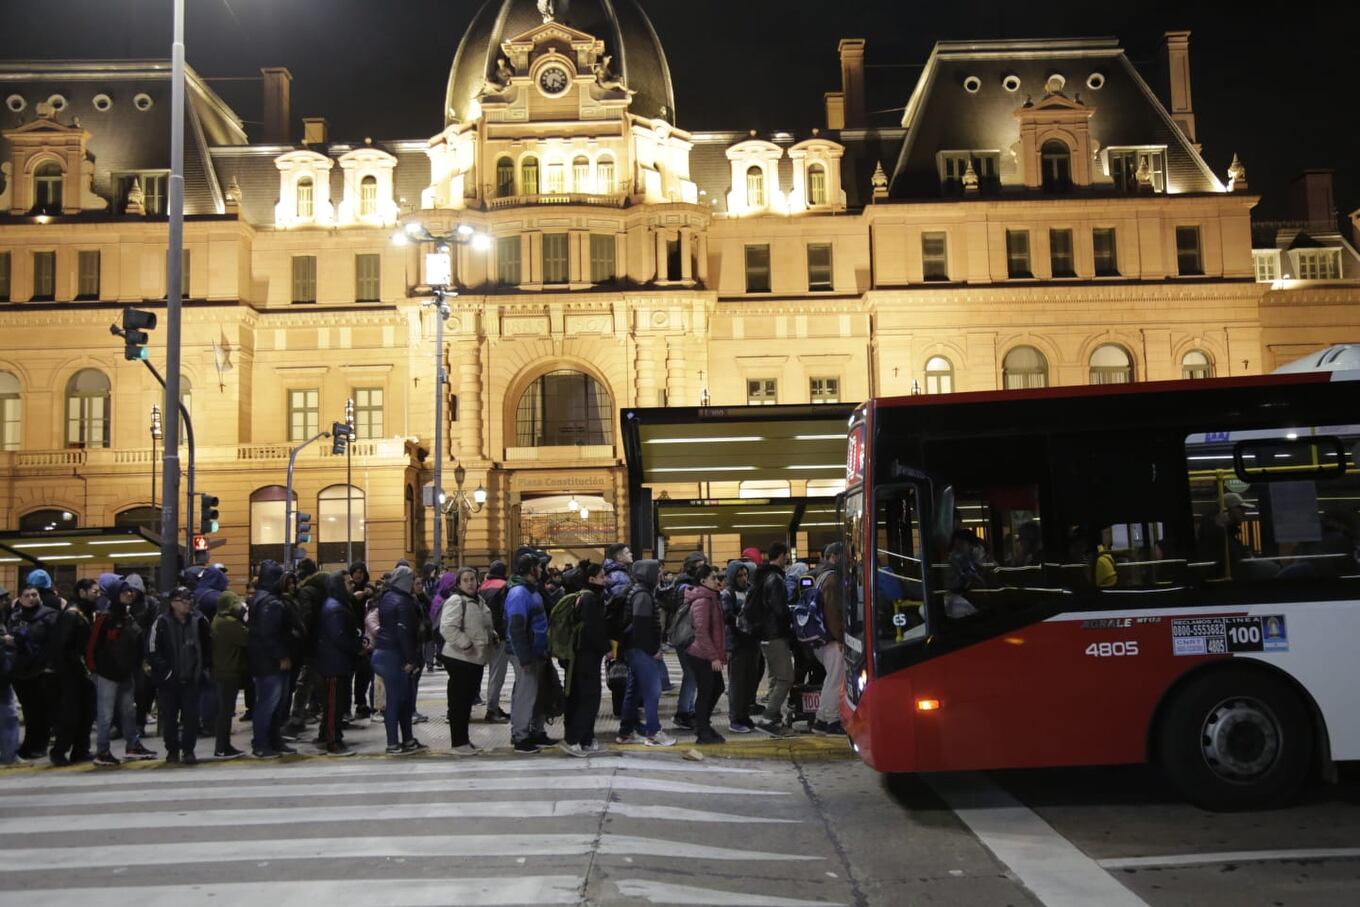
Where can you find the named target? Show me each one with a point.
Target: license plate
(812, 701)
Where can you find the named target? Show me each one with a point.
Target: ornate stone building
(1037, 215)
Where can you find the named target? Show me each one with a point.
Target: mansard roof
(943, 114)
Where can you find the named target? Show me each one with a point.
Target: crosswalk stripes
(412, 833)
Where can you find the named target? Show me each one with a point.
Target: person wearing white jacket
(465, 623)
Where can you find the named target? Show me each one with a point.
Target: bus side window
(899, 613)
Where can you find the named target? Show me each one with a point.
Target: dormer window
(604, 177)
(505, 177)
(755, 187)
(47, 189)
(1318, 264)
(816, 185)
(1056, 161)
(1126, 162)
(368, 196)
(954, 167)
(528, 176)
(306, 198)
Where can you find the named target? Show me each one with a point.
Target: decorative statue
(970, 178)
(546, 8)
(504, 71)
(1237, 175)
(604, 79)
(233, 195)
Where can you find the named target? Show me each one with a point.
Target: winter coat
(594, 629)
(32, 629)
(179, 651)
(710, 636)
(493, 592)
(114, 651)
(465, 623)
(339, 642)
(777, 620)
(311, 596)
(70, 637)
(399, 625)
(616, 579)
(526, 620)
(211, 584)
(645, 632)
(230, 639)
(270, 624)
(443, 591)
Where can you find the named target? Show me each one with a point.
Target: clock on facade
(553, 80)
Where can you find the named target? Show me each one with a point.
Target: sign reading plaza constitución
(1222, 635)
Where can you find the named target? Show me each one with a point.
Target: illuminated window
(87, 280)
(338, 507)
(1060, 253)
(153, 191)
(762, 392)
(555, 268)
(580, 175)
(267, 510)
(87, 409)
(556, 179)
(1110, 364)
(1056, 162)
(819, 266)
(939, 375)
(1267, 265)
(602, 264)
(368, 196)
(755, 187)
(368, 412)
(1124, 164)
(1106, 256)
(304, 278)
(824, 390)
(1189, 262)
(1017, 254)
(1319, 264)
(562, 409)
(505, 177)
(367, 277)
(44, 276)
(305, 196)
(1196, 364)
(304, 413)
(11, 412)
(604, 177)
(47, 189)
(934, 256)
(816, 177)
(528, 176)
(758, 269)
(1024, 367)
(508, 261)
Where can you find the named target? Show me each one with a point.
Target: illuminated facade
(1036, 216)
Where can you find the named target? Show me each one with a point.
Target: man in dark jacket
(73, 706)
(267, 653)
(642, 650)
(583, 683)
(311, 596)
(396, 658)
(114, 656)
(493, 592)
(32, 625)
(339, 645)
(527, 625)
(211, 583)
(361, 595)
(767, 607)
(179, 653)
(743, 666)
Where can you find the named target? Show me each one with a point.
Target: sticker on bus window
(1225, 635)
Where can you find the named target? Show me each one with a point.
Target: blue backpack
(809, 625)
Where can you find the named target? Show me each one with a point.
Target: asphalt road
(648, 827)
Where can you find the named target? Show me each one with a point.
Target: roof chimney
(1311, 199)
(314, 130)
(852, 81)
(1175, 54)
(835, 110)
(278, 82)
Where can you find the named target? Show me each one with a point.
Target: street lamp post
(349, 485)
(465, 508)
(439, 278)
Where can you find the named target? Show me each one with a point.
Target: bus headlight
(861, 681)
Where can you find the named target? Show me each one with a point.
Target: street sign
(200, 543)
(438, 269)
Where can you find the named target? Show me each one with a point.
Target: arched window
(1056, 161)
(51, 520)
(148, 518)
(528, 176)
(368, 196)
(305, 194)
(87, 409)
(11, 412)
(939, 375)
(604, 176)
(562, 409)
(755, 187)
(47, 188)
(1024, 367)
(1110, 364)
(267, 514)
(1194, 364)
(333, 512)
(580, 175)
(816, 179)
(505, 177)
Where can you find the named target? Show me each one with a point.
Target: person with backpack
(589, 641)
(673, 602)
(114, 658)
(178, 653)
(707, 651)
(527, 624)
(269, 657)
(642, 651)
(827, 582)
(466, 628)
(229, 640)
(767, 611)
(307, 603)
(492, 592)
(743, 650)
(338, 645)
(32, 625)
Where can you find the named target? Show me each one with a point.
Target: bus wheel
(1236, 739)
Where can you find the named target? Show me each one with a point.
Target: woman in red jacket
(708, 653)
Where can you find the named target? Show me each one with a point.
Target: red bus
(1113, 574)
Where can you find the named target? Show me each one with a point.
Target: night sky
(1277, 88)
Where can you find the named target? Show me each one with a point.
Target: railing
(50, 458)
(99, 458)
(558, 198)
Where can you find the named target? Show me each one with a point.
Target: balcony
(386, 451)
(619, 200)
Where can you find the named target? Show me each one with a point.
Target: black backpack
(751, 617)
(618, 614)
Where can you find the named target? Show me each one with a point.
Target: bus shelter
(691, 472)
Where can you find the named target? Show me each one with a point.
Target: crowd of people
(309, 648)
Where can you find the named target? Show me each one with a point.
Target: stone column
(646, 371)
(661, 255)
(677, 380)
(469, 353)
(702, 256)
(686, 262)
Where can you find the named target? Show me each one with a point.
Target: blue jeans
(267, 716)
(387, 664)
(689, 687)
(114, 697)
(9, 725)
(645, 686)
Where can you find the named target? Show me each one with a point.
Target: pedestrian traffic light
(136, 323)
(207, 514)
(303, 535)
(341, 434)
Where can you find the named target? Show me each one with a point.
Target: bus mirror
(944, 516)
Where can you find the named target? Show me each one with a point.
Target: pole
(189, 507)
(288, 499)
(153, 470)
(439, 314)
(173, 278)
(349, 485)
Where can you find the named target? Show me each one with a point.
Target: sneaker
(172, 758)
(285, 750)
(628, 739)
(573, 749)
(496, 717)
(593, 746)
(58, 759)
(189, 758)
(137, 751)
(106, 759)
(418, 718)
(756, 709)
(711, 737)
(230, 752)
(544, 740)
(339, 749)
(264, 754)
(660, 738)
(397, 749)
(82, 756)
(526, 748)
(246, 716)
(479, 701)
(737, 727)
(684, 722)
(828, 728)
(772, 728)
(467, 749)
(414, 746)
(288, 736)
(363, 711)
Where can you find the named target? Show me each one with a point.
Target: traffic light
(341, 434)
(303, 535)
(136, 323)
(207, 514)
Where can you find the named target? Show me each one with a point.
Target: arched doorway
(267, 516)
(333, 510)
(50, 520)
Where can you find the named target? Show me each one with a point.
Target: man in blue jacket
(339, 644)
(527, 626)
(267, 655)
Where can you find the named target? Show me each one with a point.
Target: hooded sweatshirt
(732, 598)
(526, 620)
(399, 617)
(645, 633)
(710, 636)
(270, 624)
(339, 641)
(493, 592)
(211, 584)
(114, 651)
(447, 584)
(229, 639)
(108, 591)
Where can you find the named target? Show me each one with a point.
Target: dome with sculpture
(638, 60)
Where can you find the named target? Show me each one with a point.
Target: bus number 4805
(1112, 649)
